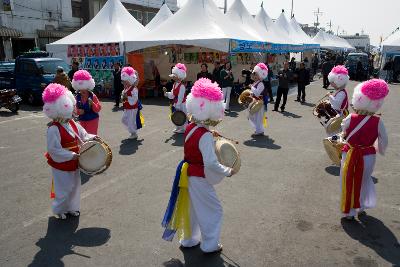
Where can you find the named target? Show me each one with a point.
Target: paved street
(282, 209)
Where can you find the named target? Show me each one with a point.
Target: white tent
(282, 27)
(163, 14)
(198, 23)
(298, 34)
(263, 19)
(391, 44)
(332, 42)
(113, 24)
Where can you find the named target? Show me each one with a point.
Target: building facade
(360, 41)
(143, 10)
(34, 23)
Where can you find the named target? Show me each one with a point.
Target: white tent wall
(208, 28)
(391, 44)
(332, 42)
(162, 15)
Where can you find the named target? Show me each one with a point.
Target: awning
(9, 32)
(52, 34)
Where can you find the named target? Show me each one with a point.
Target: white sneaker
(133, 136)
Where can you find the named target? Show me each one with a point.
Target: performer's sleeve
(181, 94)
(134, 98)
(210, 160)
(346, 123)
(83, 134)
(382, 138)
(258, 91)
(96, 107)
(54, 148)
(336, 101)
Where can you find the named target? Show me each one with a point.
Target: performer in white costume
(338, 78)
(178, 93)
(260, 72)
(365, 134)
(63, 139)
(197, 174)
(131, 117)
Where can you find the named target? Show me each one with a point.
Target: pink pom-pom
(82, 75)
(128, 70)
(375, 89)
(204, 88)
(262, 66)
(340, 69)
(181, 66)
(52, 92)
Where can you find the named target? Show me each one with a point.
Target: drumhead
(256, 106)
(227, 154)
(333, 150)
(334, 126)
(95, 158)
(178, 118)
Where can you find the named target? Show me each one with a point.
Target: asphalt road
(282, 209)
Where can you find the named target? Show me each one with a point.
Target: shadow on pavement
(232, 114)
(374, 179)
(129, 146)
(85, 178)
(372, 233)
(333, 170)
(60, 239)
(194, 257)
(308, 104)
(262, 142)
(7, 113)
(178, 139)
(291, 115)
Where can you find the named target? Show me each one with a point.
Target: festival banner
(242, 46)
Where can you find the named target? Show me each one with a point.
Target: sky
(375, 17)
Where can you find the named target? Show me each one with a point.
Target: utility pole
(225, 6)
(291, 11)
(317, 13)
(330, 26)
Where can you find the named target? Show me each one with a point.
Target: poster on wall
(99, 60)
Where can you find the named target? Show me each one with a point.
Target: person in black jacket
(204, 72)
(268, 85)
(118, 87)
(216, 74)
(303, 79)
(327, 66)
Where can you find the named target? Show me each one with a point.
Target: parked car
(396, 68)
(351, 65)
(33, 72)
(7, 77)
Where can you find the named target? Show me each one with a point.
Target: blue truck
(30, 74)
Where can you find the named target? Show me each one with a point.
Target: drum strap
(191, 133)
(357, 128)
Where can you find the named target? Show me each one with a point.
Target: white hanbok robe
(129, 115)
(179, 105)
(256, 120)
(67, 184)
(337, 101)
(205, 208)
(368, 193)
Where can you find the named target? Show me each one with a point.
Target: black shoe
(297, 100)
(303, 101)
(282, 109)
(274, 109)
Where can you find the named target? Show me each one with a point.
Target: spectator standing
(292, 64)
(227, 83)
(315, 63)
(118, 87)
(62, 78)
(268, 87)
(388, 67)
(327, 66)
(285, 75)
(204, 72)
(303, 79)
(359, 70)
(74, 68)
(216, 74)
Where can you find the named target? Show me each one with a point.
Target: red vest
(192, 151)
(345, 103)
(126, 104)
(366, 136)
(68, 142)
(175, 92)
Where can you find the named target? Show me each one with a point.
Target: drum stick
(87, 149)
(236, 142)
